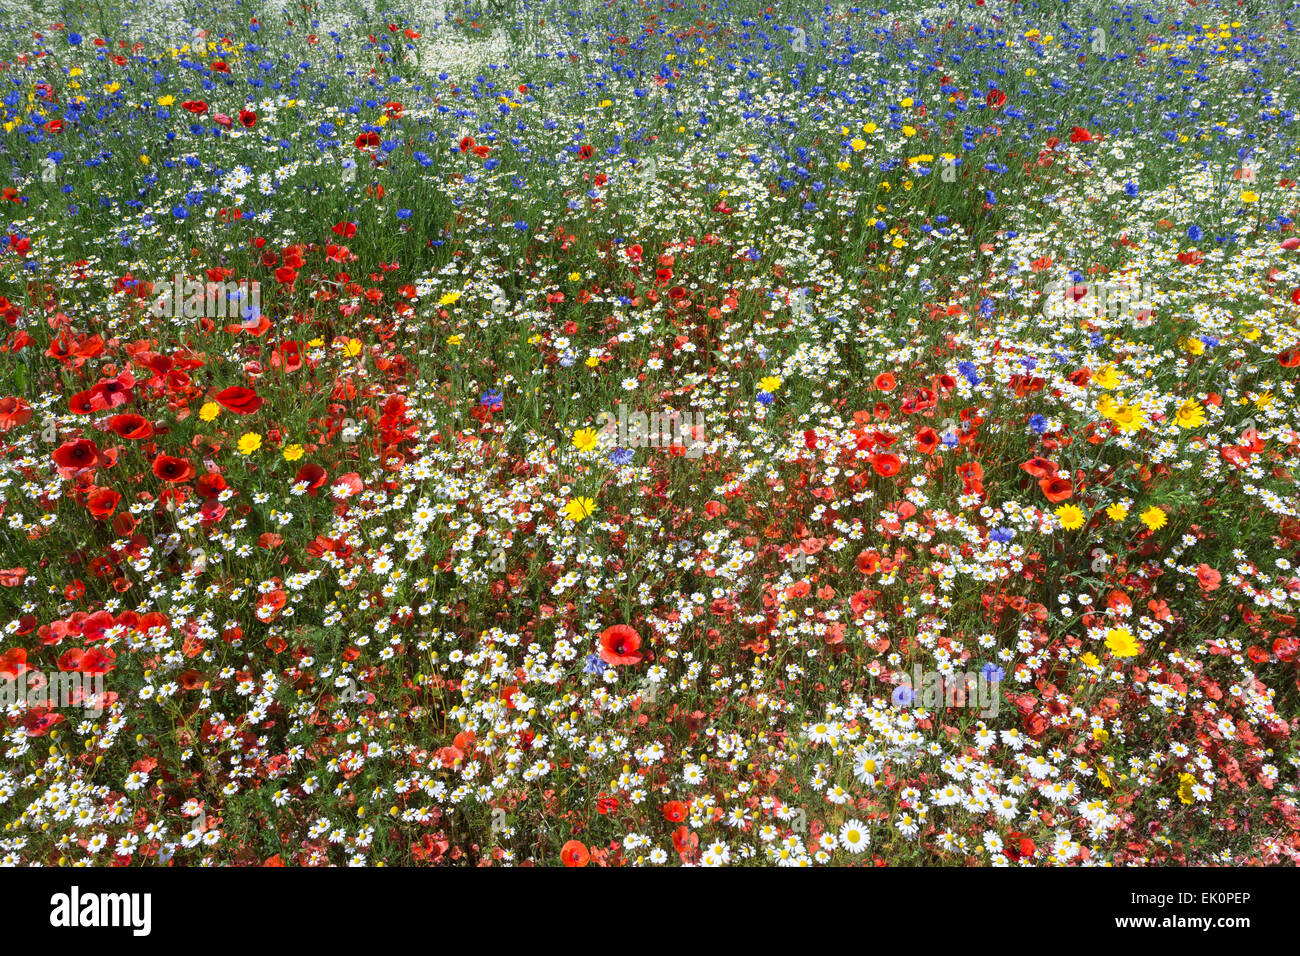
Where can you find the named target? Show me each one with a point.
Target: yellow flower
(352, 348)
(209, 411)
(769, 383)
(579, 509)
(869, 128)
(858, 145)
(455, 339)
(1070, 517)
(1121, 643)
(1192, 346)
(166, 100)
(1154, 518)
(1117, 513)
(1185, 783)
(1248, 196)
(448, 298)
(1103, 777)
(585, 439)
(1089, 659)
(909, 131)
(575, 277)
(292, 452)
(1107, 378)
(1190, 414)
(1129, 418)
(593, 361)
(249, 442)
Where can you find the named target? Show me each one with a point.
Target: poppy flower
(210, 484)
(76, 456)
(314, 475)
(995, 98)
(14, 411)
(674, 811)
(133, 427)
(172, 469)
(574, 853)
(102, 501)
(1080, 135)
(885, 381)
(1056, 489)
(13, 662)
(927, 440)
(886, 465)
(237, 399)
(247, 119)
(1040, 467)
(620, 645)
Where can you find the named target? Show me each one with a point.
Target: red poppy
(102, 502)
(210, 484)
(1040, 467)
(620, 645)
(133, 427)
(172, 469)
(674, 811)
(1080, 135)
(76, 456)
(995, 98)
(14, 411)
(237, 399)
(927, 440)
(1288, 359)
(885, 381)
(13, 662)
(314, 475)
(247, 119)
(574, 853)
(1056, 489)
(197, 107)
(886, 465)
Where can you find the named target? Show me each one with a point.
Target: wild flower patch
(645, 434)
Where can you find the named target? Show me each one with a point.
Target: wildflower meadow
(649, 433)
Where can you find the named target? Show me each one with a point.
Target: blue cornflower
(992, 673)
(1038, 424)
(622, 456)
(594, 665)
(1001, 535)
